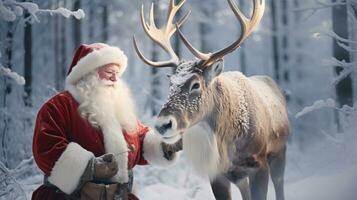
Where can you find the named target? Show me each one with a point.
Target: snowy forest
(309, 47)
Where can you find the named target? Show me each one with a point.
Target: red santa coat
(64, 142)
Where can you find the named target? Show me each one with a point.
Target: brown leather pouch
(98, 191)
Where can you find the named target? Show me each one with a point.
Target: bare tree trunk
(105, 27)
(77, 39)
(353, 36)
(205, 26)
(8, 89)
(91, 19)
(56, 36)
(28, 63)
(242, 51)
(297, 73)
(177, 42)
(298, 43)
(344, 87)
(155, 82)
(204, 29)
(285, 41)
(275, 40)
(60, 30)
(63, 51)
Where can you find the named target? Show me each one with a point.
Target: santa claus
(88, 138)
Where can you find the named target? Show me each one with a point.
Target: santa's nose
(113, 78)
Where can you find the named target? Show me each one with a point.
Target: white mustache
(107, 82)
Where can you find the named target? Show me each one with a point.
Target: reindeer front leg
(239, 176)
(258, 180)
(240, 173)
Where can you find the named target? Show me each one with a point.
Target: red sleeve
(50, 138)
(142, 131)
(61, 160)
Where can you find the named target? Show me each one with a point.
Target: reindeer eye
(195, 86)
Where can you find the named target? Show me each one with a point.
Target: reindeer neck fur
(208, 144)
(230, 114)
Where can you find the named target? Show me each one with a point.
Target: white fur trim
(73, 91)
(96, 59)
(152, 150)
(69, 168)
(115, 143)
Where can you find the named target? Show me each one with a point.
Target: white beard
(104, 101)
(111, 109)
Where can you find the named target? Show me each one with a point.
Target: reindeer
(233, 128)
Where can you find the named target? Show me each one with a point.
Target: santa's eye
(112, 72)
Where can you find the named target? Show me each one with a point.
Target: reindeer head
(190, 99)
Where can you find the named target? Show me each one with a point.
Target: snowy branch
(333, 35)
(348, 109)
(321, 5)
(11, 9)
(352, 13)
(348, 68)
(13, 75)
(24, 167)
(343, 74)
(9, 184)
(346, 47)
(328, 103)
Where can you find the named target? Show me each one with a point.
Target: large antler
(161, 36)
(247, 28)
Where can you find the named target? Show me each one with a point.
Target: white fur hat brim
(96, 59)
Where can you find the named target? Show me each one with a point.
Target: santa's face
(109, 73)
(103, 104)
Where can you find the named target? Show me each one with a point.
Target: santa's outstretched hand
(105, 166)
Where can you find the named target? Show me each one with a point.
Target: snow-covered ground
(323, 171)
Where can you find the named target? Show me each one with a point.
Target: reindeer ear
(210, 72)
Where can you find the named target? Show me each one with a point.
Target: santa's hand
(105, 166)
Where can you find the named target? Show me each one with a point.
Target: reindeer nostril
(168, 125)
(163, 128)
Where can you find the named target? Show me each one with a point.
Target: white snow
(334, 186)
(20, 80)
(79, 14)
(179, 182)
(6, 13)
(10, 9)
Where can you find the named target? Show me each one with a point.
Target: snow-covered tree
(16, 112)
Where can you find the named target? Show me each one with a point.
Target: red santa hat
(90, 57)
